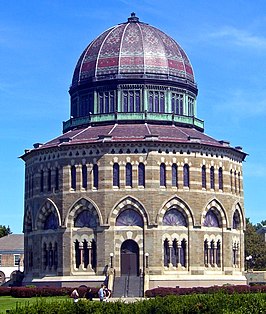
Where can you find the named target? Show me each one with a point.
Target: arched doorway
(129, 258)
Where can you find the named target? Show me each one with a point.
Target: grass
(8, 303)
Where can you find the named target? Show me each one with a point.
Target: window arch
(116, 175)
(49, 180)
(186, 175)
(129, 174)
(212, 178)
(174, 175)
(129, 217)
(73, 178)
(85, 219)
(51, 222)
(174, 217)
(211, 220)
(220, 178)
(162, 175)
(203, 176)
(141, 174)
(95, 173)
(236, 220)
(84, 177)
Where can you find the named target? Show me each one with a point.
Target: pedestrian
(107, 294)
(101, 292)
(75, 295)
(89, 294)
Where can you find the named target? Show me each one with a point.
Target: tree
(255, 246)
(4, 231)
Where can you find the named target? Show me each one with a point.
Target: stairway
(128, 286)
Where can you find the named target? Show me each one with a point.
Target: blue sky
(40, 42)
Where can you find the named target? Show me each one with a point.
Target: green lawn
(8, 303)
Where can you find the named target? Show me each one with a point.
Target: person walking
(101, 292)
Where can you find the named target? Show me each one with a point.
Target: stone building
(133, 188)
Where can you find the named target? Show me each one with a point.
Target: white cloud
(238, 37)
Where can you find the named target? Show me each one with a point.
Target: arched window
(174, 217)
(175, 255)
(212, 178)
(239, 182)
(116, 175)
(231, 179)
(95, 176)
(73, 178)
(85, 254)
(166, 253)
(183, 253)
(85, 219)
(42, 181)
(174, 175)
(235, 250)
(218, 253)
(84, 177)
(57, 179)
(186, 175)
(77, 254)
(235, 182)
(129, 217)
(51, 222)
(162, 175)
(93, 254)
(203, 176)
(236, 220)
(49, 180)
(211, 220)
(141, 174)
(206, 255)
(45, 256)
(129, 174)
(55, 255)
(50, 256)
(220, 174)
(212, 253)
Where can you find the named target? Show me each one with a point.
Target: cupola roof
(133, 49)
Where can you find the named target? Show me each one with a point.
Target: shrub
(5, 291)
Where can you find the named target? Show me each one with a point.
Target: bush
(5, 291)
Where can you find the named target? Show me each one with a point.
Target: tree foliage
(4, 231)
(255, 246)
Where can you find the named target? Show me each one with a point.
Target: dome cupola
(133, 72)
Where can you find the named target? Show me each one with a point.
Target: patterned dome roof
(132, 49)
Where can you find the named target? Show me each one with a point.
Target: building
(133, 186)
(262, 232)
(11, 256)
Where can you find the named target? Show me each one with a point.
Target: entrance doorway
(130, 258)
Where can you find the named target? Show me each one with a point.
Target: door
(130, 258)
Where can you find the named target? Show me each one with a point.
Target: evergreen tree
(4, 231)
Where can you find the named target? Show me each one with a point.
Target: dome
(132, 48)
(133, 72)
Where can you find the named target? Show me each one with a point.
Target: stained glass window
(129, 217)
(174, 217)
(211, 220)
(51, 222)
(85, 219)
(186, 175)
(116, 175)
(141, 174)
(203, 176)
(162, 175)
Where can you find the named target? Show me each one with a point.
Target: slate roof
(12, 243)
(141, 132)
